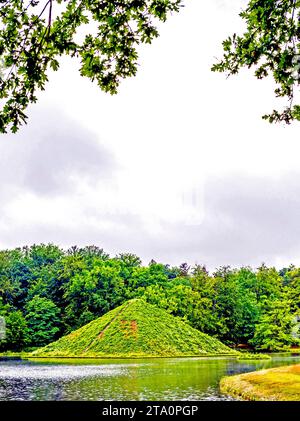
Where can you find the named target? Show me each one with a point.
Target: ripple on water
(59, 372)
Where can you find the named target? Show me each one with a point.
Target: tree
(248, 308)
(271, 45)
(16, 332)
(176, 299)
(42, 317)
(268, 283)
(205, 313)
(130, 260)
(35, 33)
(292, 279)
(274, 329)
(235, 305)
(184, 269)
(93, 291)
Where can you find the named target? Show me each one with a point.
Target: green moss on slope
(135, 329)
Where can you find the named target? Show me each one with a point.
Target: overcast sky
(179, 166)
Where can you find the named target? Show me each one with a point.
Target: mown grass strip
(275, 384)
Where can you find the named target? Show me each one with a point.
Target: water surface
(148, 379)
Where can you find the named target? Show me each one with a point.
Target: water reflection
(151, 379)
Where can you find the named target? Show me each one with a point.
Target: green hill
(135, 329)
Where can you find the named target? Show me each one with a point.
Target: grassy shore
(275, 384)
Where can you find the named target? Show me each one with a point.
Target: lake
(147, 379)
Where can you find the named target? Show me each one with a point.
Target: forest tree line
(46, 292)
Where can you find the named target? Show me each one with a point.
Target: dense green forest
(46, 292)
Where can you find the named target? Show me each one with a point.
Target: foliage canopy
(35, 33)
(270, 45)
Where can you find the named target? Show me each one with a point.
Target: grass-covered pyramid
(135, 329)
